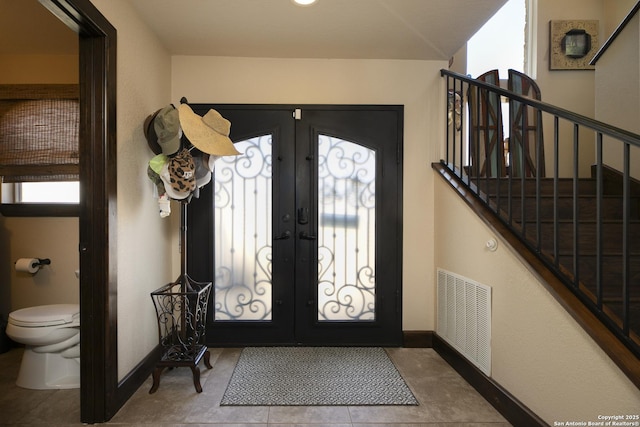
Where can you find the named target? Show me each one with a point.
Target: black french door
(302, 233)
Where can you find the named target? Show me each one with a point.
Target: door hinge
(297, 114)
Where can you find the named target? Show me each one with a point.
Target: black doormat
(312, 376)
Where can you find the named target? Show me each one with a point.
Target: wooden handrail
(598, 126)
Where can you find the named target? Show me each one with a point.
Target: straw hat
(209, 133)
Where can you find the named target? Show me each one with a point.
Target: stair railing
(582, 242)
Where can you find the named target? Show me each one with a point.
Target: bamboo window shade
(39, 126)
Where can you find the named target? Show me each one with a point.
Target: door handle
(284, 236)
(304, 236)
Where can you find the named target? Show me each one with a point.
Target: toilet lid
(45, 315)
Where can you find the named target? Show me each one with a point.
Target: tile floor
(446, 400)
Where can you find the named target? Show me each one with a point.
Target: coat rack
(181, 309)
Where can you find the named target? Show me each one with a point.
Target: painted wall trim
(509, 407)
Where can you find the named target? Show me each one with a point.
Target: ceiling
(362, 29)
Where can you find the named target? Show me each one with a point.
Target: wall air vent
(464, 317)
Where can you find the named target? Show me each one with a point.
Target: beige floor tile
(311, 425)
(446, 400)
(447, 424)
(309, 414)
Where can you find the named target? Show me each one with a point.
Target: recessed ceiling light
(304, 2)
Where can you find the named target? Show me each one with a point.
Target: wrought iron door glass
(243, 251)
(346, 231)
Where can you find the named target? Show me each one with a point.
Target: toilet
(51, 335)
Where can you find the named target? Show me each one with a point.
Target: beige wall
(568, 89)
(581, 91)
(539, 353)
(41, 69)
(614, 12)
(53, 238)
(618, 92)
(414, 84)
(143, 238)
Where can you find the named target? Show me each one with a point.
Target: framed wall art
(572, 44)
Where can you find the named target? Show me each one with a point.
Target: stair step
(586, 236)
(586, 186)
(611, 274)
(612, 207)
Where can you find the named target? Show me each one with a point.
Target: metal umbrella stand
(181, 309)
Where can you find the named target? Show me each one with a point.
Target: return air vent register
(464, 317)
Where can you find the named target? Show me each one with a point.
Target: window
(39, 127)
(49, 192)
(506, 41)
(39, 162)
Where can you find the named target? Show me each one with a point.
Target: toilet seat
(46, 315)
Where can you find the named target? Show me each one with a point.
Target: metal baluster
(556, 174)
(626, 206)
(447, 121)
(539, 167)
(599, 191)
(523, 216)
(576, 226)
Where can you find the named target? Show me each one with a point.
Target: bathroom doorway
(101, 394)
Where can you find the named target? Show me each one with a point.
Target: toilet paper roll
(28, 265)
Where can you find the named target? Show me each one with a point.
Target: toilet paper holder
(43, 261)
(31, 265)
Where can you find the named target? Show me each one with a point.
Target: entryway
(302, 234)
(455, 401)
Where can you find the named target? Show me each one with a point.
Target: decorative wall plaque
(572, 44)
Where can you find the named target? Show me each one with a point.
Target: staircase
(549, 228)
(579, 234)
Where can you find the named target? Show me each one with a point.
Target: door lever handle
(304, 236)
(284, 236)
